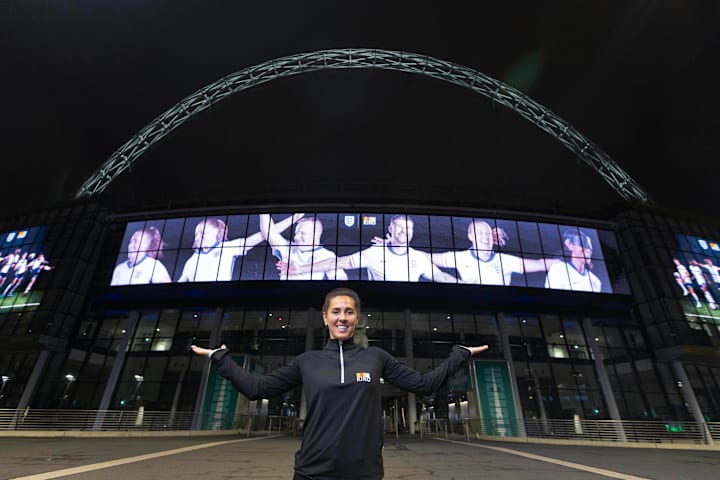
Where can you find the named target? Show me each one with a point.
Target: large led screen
(372, 247)
(696, 271)
(23, 260)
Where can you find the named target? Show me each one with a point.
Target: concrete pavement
(236, 457)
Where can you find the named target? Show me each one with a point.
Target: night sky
(637, 78)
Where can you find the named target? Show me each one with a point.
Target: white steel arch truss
(360, 58)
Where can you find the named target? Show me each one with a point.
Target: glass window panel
(585, 376)
(154, 370)
(130, 230)
(122, 274)
(172, 233)
(279, 321)
(626, 377)
(441, 233)
(635, 339)
(162, 344)
(515, 336)
(330, 229)
(109, 328)
(372, 226)
(349, 226)
(188, 322)
(238, 226)
(298, 323)
(558, 350)
(464, 326)
(512, 270)
(564, 376)
(598, 277)
(535, 271)
(658, 407)
(460, 232)
(550, 240)
(487, 329)
(300, 234)
(529, 238)
(573, 331)
(422, 341)
(167, 323)
(394, 329)
(570, 403)
(327, 256)
(352, 273)
(376, 261)
(206, 325)
(188, 236)
(267, 270)
(158, 225)
(168, 262)
(421, 231)
(594, 404)
(444, 260)
(558, 277)
(507, 237)
(186, 266)
(86, 330)
(254, 265)
(442, 324)
(370, 257)
(232, 329)
(146, 325)
(609, 245)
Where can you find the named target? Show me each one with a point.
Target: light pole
(5, 379)
(69, 378)
(138, 383)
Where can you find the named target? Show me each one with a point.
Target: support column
(118, 364)
(30, 387)
(690, 399)
(540, 402)
(176, 396)
(507, 355)
(410, 358)
(603, 378)
(309, 338)
(213, 342)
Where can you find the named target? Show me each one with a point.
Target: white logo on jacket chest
(362, 377)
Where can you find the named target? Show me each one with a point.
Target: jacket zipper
(342, 363)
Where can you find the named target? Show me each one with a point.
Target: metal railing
(560, 429)
(597, 430)
(435, 427)
(116, 420)
(282, 424)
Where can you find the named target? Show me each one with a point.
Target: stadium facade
(606, 318)
(642, 346)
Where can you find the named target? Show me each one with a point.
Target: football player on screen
(481, 264)
(575, 273)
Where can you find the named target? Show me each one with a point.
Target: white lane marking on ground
(576, 466)
(138, 458)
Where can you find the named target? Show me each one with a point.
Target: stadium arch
(360, 58)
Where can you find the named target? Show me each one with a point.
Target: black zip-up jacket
(342, 433)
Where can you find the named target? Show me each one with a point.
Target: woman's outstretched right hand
(203, 351)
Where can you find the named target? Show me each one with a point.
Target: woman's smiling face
(341, 317)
